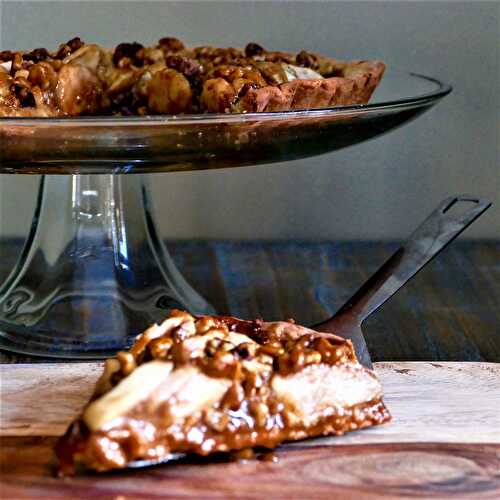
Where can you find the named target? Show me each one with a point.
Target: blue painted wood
(449, 312)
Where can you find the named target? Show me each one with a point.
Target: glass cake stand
(94, 271)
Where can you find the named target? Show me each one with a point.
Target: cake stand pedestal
(94, 272)
(93, 265)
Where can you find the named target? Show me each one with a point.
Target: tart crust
(356, 87)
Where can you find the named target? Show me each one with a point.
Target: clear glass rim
(442, 90)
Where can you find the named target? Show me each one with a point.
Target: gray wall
(379, 189)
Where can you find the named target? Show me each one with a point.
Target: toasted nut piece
(38, 96)
(153, 55)
(169, 92)
(21, 74)
(196, 345)
(160, 347)
(5, 83)
(297, 357)
(37, 55)
(253, 49)
(141, 87)
(185, 65)
(171, 44)
(155, 331)
(238, 75)
(70, 46)
(17, 62)
(306, 60)
(185, 330)
(246, 350)
(129, 51)
(252, 383)
(216, 420)
(6, 55)
(121, 80)
(233, 397)
(43, 75)
(205, 323)
(217, 95)
(260, 412)
(127, 362)
(273, 349)
(312, 358)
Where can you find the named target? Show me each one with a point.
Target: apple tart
(219, 384)
(170, 78)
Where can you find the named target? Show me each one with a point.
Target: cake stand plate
(94, 272)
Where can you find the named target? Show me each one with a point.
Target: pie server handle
(435, 233)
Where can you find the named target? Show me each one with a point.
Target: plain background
(380, 189)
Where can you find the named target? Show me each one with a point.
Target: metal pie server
(437, 231)
(434, 234)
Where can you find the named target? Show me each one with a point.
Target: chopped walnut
(5, 84)
(253, 49)
(217, 95)
(67, 48)
(6, 55)
(129, 51)
(37, 55)
(43, 75)
(185, 65)
(170, 44)
(306, 60)
(169, 92)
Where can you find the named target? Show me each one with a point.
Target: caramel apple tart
(169, 78)
(218, 384)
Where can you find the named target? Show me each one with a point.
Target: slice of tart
(169, 78)
(217, 384)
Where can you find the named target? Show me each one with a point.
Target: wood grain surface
(427, 471)
(430, 402)
(448, 312)
(443, 442)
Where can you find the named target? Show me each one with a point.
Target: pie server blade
(171, 457)
(440, 228)
(435, 233)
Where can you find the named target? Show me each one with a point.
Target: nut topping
(169, 78)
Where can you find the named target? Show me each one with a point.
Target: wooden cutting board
(443, 442)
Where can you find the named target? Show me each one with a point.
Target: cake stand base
(93, 273)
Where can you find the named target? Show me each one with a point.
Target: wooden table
(443, 442)
(449, 312)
